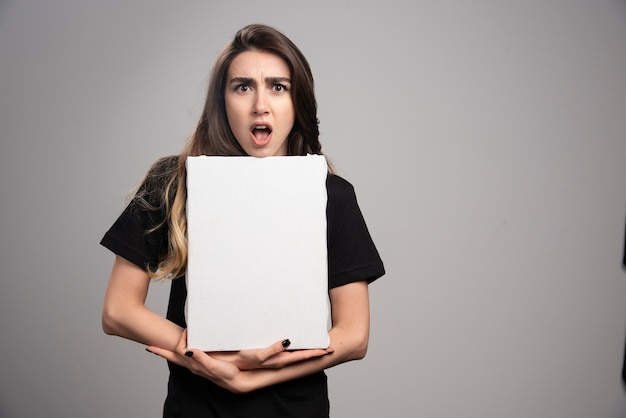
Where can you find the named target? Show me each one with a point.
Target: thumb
(280, 346)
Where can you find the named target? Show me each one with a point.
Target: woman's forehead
(255, 63)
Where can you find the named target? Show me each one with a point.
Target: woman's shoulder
(156, 181)
(164, 166)
(337, 182)
(162, 169)
(339, 189)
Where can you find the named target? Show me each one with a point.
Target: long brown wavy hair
(164, 187)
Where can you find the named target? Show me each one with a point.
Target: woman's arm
(349, 338)
(124, 312)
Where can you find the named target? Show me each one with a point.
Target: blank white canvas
(257, 264)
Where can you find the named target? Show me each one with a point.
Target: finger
(216, 370)
(190, 354)
(166, 354)
(301, 355)
(280, 346)
(286, 358)
(264, 354)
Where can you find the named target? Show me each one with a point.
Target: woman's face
(258, 103)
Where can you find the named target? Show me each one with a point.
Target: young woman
(260, 103)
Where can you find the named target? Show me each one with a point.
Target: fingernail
(189, 353)
(286, 343)
(330, 350)
(149, 351)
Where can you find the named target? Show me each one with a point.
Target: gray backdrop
(485, 139)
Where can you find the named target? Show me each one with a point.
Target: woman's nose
(260, 104)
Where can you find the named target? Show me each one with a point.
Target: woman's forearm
(124, 312)
(143, 326)
(346, 348)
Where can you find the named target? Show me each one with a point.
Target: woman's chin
(265, 151)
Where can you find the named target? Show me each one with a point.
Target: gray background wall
(486, 141)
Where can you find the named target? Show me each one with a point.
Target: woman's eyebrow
(251, 81)
(242, 80)
(274, 80)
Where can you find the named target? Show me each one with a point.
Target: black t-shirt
(352, 257)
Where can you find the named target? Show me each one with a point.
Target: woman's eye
(279, 87)
(243, 88)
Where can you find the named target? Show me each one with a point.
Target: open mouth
(261, 134)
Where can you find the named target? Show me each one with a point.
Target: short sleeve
(129, 238)
(352, 255)
(139, 234)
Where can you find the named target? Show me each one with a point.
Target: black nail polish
(149, 351)
(189, 353)
(286, 343)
